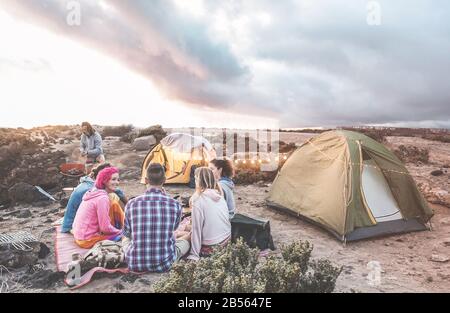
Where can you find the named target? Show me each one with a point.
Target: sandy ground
(405, 260)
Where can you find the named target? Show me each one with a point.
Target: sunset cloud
(306, 63)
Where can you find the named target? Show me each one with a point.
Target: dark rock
(156, 130)
(23, 159)
(437, 173)
(25, 193)
(63, 202)
(10, 257)
(44, 251)
(119, 286)
(144, 143)
(100, 275)
(53, 211)
(25, 213)
(42, 203)
(44, 279)
(20, 213)
(144, 282)
(130, 278)
(4, 198)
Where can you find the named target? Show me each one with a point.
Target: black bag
(255, 232)
(192, 176)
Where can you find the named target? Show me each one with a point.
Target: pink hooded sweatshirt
(210, 221)
(92, 217)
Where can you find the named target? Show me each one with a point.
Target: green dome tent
(352, 186)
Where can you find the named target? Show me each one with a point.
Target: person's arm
(219, 187)
(71, 210)
(83, 146)
(104, 221)
(97, 150)
(126, 238)
(231, 202)
(127, 223)
(121, 195)
(198, 219)
(179, 213)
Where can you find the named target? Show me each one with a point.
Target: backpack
(254, 232)
(107, 254)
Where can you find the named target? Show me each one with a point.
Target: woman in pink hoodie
(211, 225)
(93, 222)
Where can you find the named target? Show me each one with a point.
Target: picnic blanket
(65, 247)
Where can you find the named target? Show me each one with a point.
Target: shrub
(116, 131)
(412, 154)
(237, 269)
(129, 137)
(377, 136)
(321, 278)
(228, 270)
(248, 176)
(155, 130)
(298, 252)
(437, 137)
(286, 147)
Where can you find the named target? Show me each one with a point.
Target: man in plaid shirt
(150, 222)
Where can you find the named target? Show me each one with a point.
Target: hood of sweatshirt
(212, 194)
(227, 181)
(94, 193)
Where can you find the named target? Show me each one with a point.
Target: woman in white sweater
(211, 225)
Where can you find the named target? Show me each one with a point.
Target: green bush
(237, 269)
(321, 278)
(298, 252)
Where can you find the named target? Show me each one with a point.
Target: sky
(236, 64)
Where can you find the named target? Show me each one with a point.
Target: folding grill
(18, 240)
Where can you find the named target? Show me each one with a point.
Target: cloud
(306, 62)
(186, 65)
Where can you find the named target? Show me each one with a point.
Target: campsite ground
(406, 260)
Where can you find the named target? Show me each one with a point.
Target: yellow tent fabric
(310, 183)
(179, 153)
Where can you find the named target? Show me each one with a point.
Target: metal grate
(18, 240)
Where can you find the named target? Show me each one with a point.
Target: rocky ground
(415, 262)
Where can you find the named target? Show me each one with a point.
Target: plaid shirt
(150, 221)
